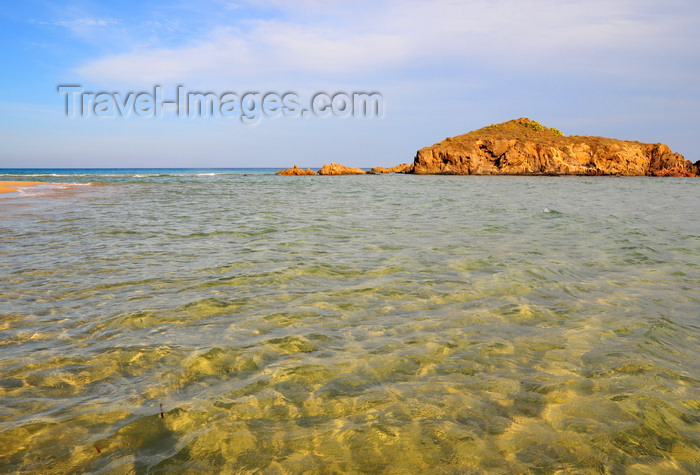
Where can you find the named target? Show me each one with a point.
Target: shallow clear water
(395, 324)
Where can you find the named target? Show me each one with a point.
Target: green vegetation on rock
(534, 125)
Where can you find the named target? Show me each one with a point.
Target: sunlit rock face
(524, 147)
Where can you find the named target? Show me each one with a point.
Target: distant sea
(120, 173)
(232, 320)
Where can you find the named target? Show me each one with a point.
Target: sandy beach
(10, 186)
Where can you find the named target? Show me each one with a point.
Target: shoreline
(14, 186)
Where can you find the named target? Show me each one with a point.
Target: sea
(236, 321)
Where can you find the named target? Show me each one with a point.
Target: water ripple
(392, 324)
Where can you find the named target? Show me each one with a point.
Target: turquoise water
(352, 324)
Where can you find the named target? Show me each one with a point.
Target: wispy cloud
(80, 25)
(86, 23)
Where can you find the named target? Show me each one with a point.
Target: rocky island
(295, 170)
(525, 147)
(337, 169)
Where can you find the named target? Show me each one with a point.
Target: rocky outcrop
(337, 169)
(296, 171)
(524, 147)
(402, 168)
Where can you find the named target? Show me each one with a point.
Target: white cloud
(330, 40)
(266, 48)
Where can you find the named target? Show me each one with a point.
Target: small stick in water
(161, 411)
(98, 449)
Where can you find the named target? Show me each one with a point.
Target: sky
(628, 69)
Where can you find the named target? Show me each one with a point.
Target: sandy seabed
(20, 186)
(10, 186)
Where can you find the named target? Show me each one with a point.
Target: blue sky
(628, 69)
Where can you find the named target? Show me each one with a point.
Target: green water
(363, 324)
